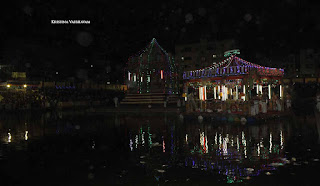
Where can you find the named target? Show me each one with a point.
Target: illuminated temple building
(152, 70)
(234, 78)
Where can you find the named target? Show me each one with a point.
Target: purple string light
(243, 67)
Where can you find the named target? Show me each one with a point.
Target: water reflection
(130, 145)
(217, 148)
(244, 143)
(281, 139)
(159, 144)
(270, 142)
(163, 145)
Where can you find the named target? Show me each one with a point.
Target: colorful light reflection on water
(161, 144)
(218, 147)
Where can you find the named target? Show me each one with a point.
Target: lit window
(214, 56)
(182, 58)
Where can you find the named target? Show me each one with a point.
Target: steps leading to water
(148, 98)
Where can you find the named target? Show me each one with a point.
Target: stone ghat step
(173, 96)
(152, 94)
(140, 102)
(144, 94)
(149, 96)
(146, 99)
(152, 97)
(138, 97)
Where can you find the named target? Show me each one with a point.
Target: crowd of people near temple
(256, 103)
(50, 98)
(262, 104)
(300, 98)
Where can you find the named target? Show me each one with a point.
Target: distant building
(6, 72)
(309, 62)
(288, 63)
(192, 56)
(19, 75)
(290, 67)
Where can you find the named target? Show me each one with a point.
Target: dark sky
(263, 29)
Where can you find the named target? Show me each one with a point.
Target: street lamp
(24, 86)
(8, 85)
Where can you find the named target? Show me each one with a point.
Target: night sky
(263, 30)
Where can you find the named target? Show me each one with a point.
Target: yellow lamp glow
(26, 135)
(24, 86)
(9, 137)
(8, 85)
